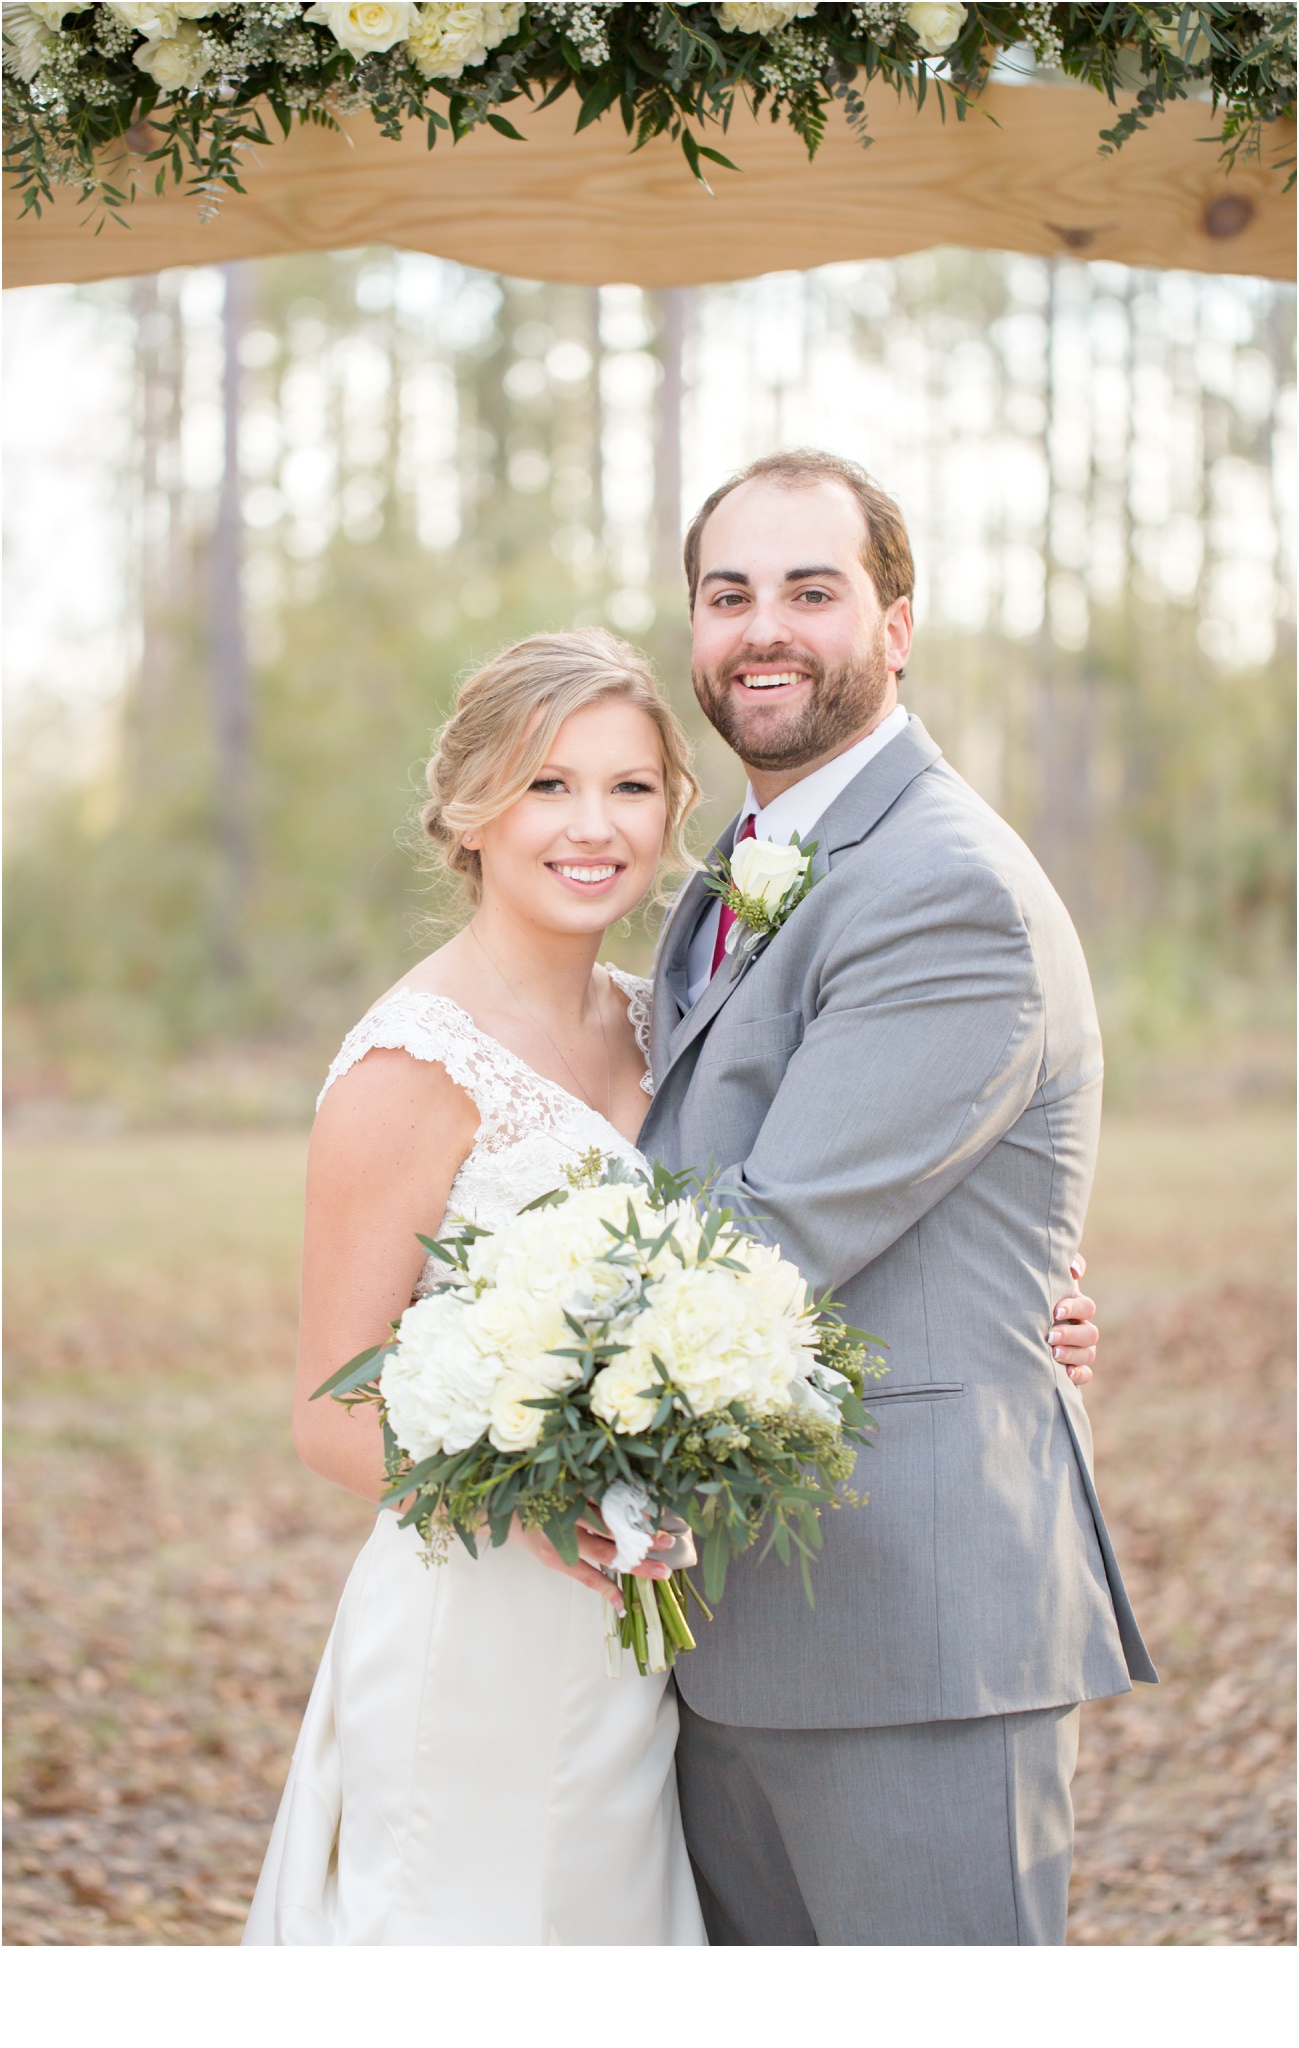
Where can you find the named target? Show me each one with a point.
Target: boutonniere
(761, 885)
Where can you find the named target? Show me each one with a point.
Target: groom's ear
(898, 630)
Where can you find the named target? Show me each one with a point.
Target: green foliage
(76, 91)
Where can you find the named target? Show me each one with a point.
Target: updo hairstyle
(504, 725)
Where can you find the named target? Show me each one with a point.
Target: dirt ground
(172, 1571)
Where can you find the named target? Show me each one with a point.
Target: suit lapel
(671, 967)
(854, 813)
(858, 809)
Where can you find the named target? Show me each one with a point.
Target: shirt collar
(797, 808)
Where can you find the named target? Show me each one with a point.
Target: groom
(904, 1086)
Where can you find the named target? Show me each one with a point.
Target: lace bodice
(530, 1129)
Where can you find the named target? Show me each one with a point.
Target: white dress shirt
(796, 809)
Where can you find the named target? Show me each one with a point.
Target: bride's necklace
(521, 1006)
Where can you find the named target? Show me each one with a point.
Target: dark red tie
(727, 918)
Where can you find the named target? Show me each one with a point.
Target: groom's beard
(841, 704)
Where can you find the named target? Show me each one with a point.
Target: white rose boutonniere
(761, 885)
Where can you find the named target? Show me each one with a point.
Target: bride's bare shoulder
(402, 1063)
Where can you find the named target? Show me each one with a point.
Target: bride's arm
(387, 1143)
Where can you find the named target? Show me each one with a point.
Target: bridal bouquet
(620, 1351)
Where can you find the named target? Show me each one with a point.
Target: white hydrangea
(444, 40)
(721, 1336)
(365, 27)
(438, 1384)
(519, 1330)
(777, 1282)
(757, 19)
(551, 1254)
(178, 62)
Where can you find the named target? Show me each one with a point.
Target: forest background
(258, 522)
(219, 705)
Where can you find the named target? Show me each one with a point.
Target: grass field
(172, 1571)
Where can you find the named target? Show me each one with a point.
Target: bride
(466, 1773)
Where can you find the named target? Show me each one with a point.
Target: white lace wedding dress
(466, 1772)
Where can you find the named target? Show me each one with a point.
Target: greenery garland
(182, 87)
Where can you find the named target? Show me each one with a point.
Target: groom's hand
(1073, 1336)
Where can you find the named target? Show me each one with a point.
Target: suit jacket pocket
(751, 1041)
(924, 1390)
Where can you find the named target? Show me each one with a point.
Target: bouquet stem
(652, 1625)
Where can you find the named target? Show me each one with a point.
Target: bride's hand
(1073, 1336)
(594, 1550)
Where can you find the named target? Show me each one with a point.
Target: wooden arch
(1021, 172)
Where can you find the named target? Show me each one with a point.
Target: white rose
(625, 1393)
(177, 63)
(758, 19)
(937, 25)
(515, 1426)
(149, 19)
(766, 872)
(438, 1385)
(27, 40)
(364, 27)
(444, 40)
(188, 12)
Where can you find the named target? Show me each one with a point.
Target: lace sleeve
(431, 1027)
(639, 994)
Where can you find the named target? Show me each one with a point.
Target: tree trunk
(229, 654)
(673, 307)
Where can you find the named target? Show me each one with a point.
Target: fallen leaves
(172, 1570)
(1184, 1795)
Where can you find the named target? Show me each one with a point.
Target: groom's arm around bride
(903, 1085)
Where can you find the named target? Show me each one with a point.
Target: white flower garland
(79, 78)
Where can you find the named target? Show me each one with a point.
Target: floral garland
(183, 86)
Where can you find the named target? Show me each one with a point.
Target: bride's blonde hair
(504, 725)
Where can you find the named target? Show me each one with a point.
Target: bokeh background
(258, 520)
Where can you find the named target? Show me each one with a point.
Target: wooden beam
(1021, 172)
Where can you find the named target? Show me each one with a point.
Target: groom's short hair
(886, 553)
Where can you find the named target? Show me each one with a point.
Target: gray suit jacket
(904, 1088)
